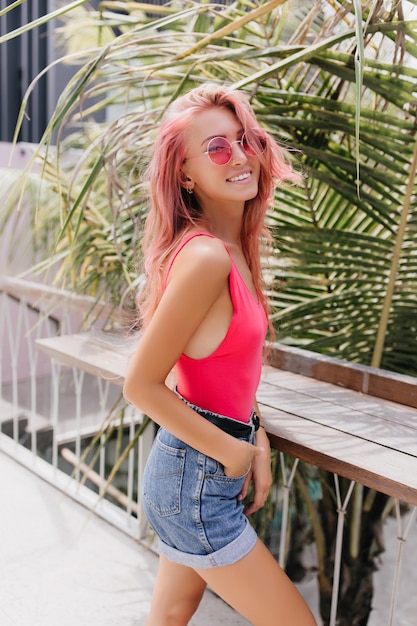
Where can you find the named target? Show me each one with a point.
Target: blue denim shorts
(192, 506)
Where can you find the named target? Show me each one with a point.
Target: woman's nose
(238, 152)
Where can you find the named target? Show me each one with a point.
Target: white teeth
(240, 177)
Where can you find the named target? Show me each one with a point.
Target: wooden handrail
(48, 300)
(315, 408)
(362, 378)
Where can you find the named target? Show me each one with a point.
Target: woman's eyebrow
(238, 132)
(212, 137)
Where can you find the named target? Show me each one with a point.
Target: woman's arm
(196, 280)
(260, 475)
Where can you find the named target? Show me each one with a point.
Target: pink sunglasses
(219, 149)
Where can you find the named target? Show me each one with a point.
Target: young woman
(204, 315)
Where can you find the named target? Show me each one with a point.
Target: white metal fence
(66, 425)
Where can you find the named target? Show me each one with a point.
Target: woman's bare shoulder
(202, 254)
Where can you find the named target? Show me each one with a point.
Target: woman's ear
(186, 182)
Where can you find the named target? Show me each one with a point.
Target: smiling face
(219, 186)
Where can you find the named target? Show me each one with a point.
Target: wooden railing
(327, 412)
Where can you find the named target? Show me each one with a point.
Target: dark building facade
(21, 60)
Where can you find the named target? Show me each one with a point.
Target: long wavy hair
(173, 211)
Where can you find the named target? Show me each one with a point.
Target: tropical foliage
(344, 263)
(333, 80)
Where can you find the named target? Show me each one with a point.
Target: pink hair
(173, 211)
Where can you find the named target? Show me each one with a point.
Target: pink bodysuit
(226, 381)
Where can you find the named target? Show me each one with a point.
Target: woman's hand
(260, 474)
(243, 461)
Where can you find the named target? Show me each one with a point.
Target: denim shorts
(192, 505)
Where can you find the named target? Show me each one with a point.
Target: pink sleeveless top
(226, 381)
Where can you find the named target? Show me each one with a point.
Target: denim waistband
(227, 424)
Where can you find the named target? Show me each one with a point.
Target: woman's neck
(228, 232)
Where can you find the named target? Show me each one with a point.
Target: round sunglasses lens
(255, 145)
(219, 150)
